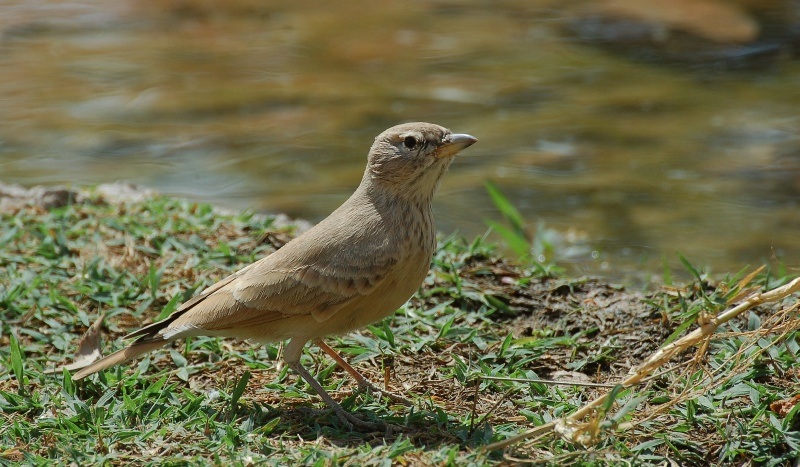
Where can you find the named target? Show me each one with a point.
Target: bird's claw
(355, 423)
(370, 388)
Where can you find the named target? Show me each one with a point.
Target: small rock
(15, 197)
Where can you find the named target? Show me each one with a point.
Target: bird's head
(410, 159)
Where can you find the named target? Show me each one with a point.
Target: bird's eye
(410, 142)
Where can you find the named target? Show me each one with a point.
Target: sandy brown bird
(354, 268)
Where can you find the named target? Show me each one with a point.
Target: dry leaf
(88, 348)
(783, 406)
(570, 376)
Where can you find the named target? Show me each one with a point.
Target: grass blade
(241, 385)
(16, 363)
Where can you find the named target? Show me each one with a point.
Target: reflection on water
(273, 105)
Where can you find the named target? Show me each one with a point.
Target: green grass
(213, 401)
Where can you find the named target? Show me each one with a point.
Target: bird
(354, 268)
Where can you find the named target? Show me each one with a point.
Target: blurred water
(273, 105)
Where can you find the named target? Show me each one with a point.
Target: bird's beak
(455, 143)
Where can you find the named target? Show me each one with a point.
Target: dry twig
(698, 337)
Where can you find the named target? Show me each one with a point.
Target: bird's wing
(266, 291)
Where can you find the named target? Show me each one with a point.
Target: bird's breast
(416, 227)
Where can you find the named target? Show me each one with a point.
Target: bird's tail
(120, 356)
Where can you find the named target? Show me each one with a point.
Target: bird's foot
(350, 420)
(368, 387)
(354, 422)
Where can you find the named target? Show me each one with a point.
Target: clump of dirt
(594, 311)
(614, 328)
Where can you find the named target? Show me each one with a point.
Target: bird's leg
(363, 383)
(291, 355)
(346, 417)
